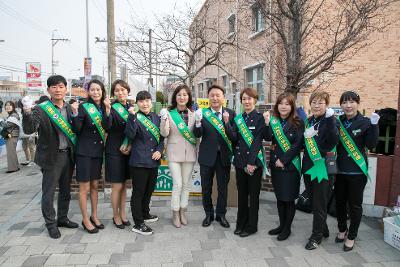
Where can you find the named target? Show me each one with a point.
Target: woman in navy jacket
(249, 168)
(285, 164)
(116, 165)
(352, 176)
(147, 148)
(89, 150)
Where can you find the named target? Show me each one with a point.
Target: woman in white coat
(176, 125)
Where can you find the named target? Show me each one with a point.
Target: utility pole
(150, 81)
(111, 42)
(54, 41)
(87, 30)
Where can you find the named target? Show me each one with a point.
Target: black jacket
(143, 142)
(211, 141)
(242, 156)
(48, 142)
(296, 139)
(89, 142)
(115, 127)
(364, 135)
(326, 139)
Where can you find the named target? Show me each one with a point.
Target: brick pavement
(24, 240)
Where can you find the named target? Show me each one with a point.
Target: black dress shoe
(222, 221)
(346, 248)
(238, 231)
(54, 232)
(100, 226)
(126, 223)
(340, 240)
(284, 235)
(93, 231)
(12, 171)
(207, 220)
(275, 231)
(67, 224)
(119, 226)
(325, 234)
(312, 244)
(245, 234)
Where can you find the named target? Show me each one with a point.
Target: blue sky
(26, 27)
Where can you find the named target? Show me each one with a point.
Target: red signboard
(33, 75)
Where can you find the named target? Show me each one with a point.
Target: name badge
(252, 127)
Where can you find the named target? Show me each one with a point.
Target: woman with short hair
(320, 137)
(117, 151)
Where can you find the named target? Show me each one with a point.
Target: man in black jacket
(55, 151)
(215, 153)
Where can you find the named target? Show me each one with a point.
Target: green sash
(248, 137)
(154, 130)
(58, 119)
(283, 141)
(217, 123)
(352, 149)
(182, 127)
(319, 169)
(95, 116)
(124, 114)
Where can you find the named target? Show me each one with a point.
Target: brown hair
(250, 92)
(122, 83)
(293, 117)
(319, 94)
(180, 87)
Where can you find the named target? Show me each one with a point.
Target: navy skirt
(117, 168)
(286, 184)
(87, 168)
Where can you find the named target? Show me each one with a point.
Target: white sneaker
(151, 218)
(25, 163)
(31, 164)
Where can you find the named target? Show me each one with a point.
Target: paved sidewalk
(25, 242)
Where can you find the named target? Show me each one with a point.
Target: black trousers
(349, 189)
(248, 187)
(143, 185)
(320, 194)
(286, 212)
(207, 175)
(59, 174)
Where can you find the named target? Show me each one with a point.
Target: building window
(258, 19)
(255, 79)
(225, 82)
(231, 23)
(200, 86)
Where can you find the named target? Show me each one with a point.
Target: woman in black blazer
(88, 124)
(117, 163)
(285, 129)
(362, 133)
(249, 168)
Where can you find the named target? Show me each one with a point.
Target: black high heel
(93, 231)
(126, 223)
(100, 226)
(119, 226)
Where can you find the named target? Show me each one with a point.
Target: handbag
(5, 133)
(330, 162)
(304, 202)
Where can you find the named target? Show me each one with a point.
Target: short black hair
(349, 95)
(122, 83)
(56, 79)
(143, 95)
(216, 86)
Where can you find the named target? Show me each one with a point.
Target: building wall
(372, 72)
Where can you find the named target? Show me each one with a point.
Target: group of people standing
(133, 143)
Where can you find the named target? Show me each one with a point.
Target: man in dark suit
(55, 151)
(215, 153)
